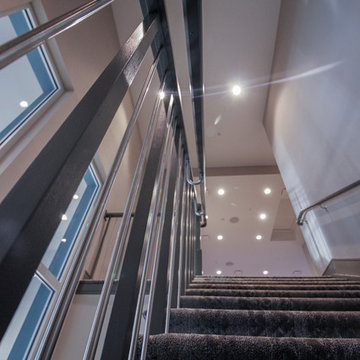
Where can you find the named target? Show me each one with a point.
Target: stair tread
(277, 286)
(194, 346)
(275, 293)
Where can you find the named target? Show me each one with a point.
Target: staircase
(263, 318)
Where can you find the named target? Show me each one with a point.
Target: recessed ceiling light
(258, 237)
(161, 95)
(23, 104)
(265, 272)
(64, 217)
(262, 216)
(267, 191)
(76, 196)
(219, 272)
(236, 90)
(63, 240)
(221, 191)
(220, 237)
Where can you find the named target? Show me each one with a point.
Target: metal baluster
(115, 261)
(156, 257)
(181, 270)
(150, 234)
(174, 235)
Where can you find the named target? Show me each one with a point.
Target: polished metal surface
(21, 45)
(116, 257)
(302, 214)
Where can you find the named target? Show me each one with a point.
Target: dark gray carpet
(263, 318)
(266, 323)
(218, 347)
(277, 286)
(276, 293)
(270, 303)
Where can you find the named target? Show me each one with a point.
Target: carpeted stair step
(276, 286)
(219, 347)
(266, 323)
(269, 303)
(269, 278)
(280, 282)
(276, 293)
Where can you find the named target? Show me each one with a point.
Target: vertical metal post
(153, 234)
(198, 253)
(119, 332)
(175, 257)
(157, 325)
(181, 269)
(187, 235)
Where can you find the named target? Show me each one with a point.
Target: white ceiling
(238, 45)
(244, 198)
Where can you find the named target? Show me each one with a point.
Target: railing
(163, 241)
(302, 214)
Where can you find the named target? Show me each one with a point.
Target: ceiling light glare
(23, 104)
(161, 95)
(220, 237)
(265, 272)
(258, 237)
(262, 216)
(64, 217)
(219, 272)
(63, 240)
(76, 196)
(236, 90)
(221, 192)
(267, 191)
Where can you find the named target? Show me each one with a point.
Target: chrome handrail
(191, 182)
(302, 214)
(21, 45)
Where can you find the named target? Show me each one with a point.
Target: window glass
(26, 83)
(65, 236)
(23, 328)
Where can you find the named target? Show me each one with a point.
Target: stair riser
(275, 287)
(236, 303)
(273, 293)
(262, 323)
(211, 347)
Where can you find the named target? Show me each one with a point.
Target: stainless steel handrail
(21, 45)
(115, 260)
(302, 214)
(191, 182)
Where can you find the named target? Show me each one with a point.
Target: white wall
(313, 118)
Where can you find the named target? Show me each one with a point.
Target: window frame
(20, 138)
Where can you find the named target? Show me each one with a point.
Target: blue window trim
(22, 23)
(31, 324)
(44, 295)
(57, 264)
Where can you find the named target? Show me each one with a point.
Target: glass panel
(24, 325)
(26, 83)
(65, 236)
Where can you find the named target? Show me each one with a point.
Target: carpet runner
(263, 318)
